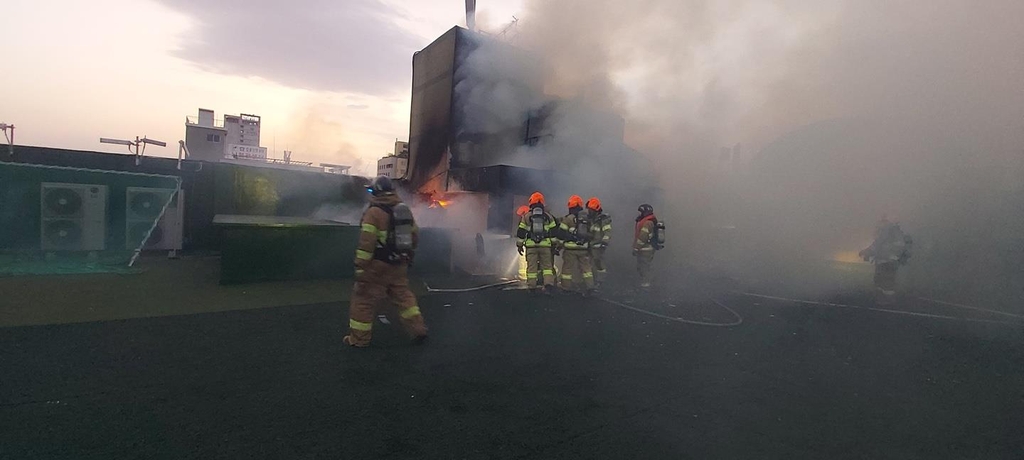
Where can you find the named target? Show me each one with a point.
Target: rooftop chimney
(471, 15)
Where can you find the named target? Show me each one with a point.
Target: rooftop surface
(504, 375)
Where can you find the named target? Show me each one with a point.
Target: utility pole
(10, 137)
(138, 142)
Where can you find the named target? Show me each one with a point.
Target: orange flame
(439, 203)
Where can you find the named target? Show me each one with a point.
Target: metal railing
(191, 120)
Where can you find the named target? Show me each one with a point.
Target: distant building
(204, 137)
(393, 166)
(396, 164)
(234, 137)
(336, 169)
(401, 148)
(244, 131)
(236, 140)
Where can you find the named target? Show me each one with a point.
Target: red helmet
(536, 198)
(594, 204)
(575, 202)
(522, 211)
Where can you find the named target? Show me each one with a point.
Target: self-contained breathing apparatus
(658, 239)
(598, 221)
(582, 233)
(399, 245)
(538, 220)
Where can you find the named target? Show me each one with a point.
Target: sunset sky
(330, 79)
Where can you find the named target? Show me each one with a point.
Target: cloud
(322, 45)
(358, 106)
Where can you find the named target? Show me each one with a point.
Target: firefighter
(522, 211)
(577, 272)
(601, 228)
(538, 240)
(387, 243)
(645, 243)
(890, 249)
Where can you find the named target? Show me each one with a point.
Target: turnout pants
(522, 267)
(597, 260)
(644, 259)
(540, 267)
(383, 281)
(577, 273)
(885, 275)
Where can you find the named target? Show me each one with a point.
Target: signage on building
(247, 152)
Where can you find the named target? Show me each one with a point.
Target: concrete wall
(199, 145)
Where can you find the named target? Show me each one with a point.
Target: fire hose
(469, 289)
(737, 322)
(900, 312)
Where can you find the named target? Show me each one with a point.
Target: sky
(330, 79)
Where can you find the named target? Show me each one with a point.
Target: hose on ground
(469, 289)
(737, 322)
(895, 312)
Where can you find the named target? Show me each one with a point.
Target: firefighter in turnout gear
(601, 229)
(890, 249)
(648, 238)
(387, 243)
(575, 228)
(538, 239)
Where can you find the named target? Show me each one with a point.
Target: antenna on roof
(509, 33)
(10, 138)
(138, 142)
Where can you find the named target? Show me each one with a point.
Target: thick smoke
(506, 117)
(840, 111)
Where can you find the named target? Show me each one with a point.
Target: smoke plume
(834, 113)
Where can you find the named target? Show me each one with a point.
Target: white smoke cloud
(845, 110)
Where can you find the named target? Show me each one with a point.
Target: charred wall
(433, 70)
(455, 103)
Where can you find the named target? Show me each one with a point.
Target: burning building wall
(453, 119)
(482, 122)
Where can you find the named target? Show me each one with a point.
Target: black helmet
(645, 209)
(380, 185)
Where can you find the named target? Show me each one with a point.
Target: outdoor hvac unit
(142, 207)
(74, 217)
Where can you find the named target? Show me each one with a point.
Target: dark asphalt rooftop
(506, 375)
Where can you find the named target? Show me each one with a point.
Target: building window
(213, 138)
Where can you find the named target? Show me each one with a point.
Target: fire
(439, 204)
(435, 199)
(850, 257)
